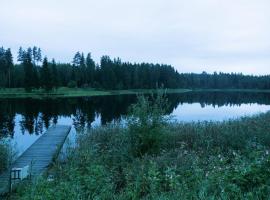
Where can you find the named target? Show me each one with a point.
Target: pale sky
(191, 35)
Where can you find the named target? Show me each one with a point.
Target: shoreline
(16, 93)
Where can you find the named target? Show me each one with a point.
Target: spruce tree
(28, 71)
(90, 68)
(20, 56)
(108, 77)
(30, 54)
(46, 75)
(82, 71)
(35, 51)
(55, 79)
(77, 59)
(39, 55)
(9, 62)
(3, 67)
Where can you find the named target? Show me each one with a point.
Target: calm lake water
(24, 120)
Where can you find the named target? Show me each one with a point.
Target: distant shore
(88, 92)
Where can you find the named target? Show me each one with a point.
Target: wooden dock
(39, 155)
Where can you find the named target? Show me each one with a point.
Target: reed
(204, 160)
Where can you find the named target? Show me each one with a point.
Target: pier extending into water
(39, 155)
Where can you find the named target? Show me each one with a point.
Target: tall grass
(151, 158)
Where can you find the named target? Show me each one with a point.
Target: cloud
(192, 35)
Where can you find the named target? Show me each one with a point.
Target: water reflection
(32, 116)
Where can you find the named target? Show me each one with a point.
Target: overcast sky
(191, 35)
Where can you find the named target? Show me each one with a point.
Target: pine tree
(39, 55)
(55, 79)
(77, 59)
(82, 60)
(30, 54)
(108, 77)
(9, 63)
(46, 75)
(35, 56)
(3, 67)
(76, 73)
(2, 60)
(20, 56)
(82, 71)
(28, 71)
(90, 68)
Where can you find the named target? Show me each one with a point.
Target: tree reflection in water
(38, 114)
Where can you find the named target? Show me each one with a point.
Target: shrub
(146, 125)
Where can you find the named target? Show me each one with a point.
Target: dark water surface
(22, 121)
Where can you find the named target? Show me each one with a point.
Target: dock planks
(40, 154)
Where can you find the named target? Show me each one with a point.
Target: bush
(146, 125)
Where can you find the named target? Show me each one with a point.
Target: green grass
(86, 92)
(151, 158)
(74, 92)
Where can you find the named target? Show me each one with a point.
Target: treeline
(223, 80)
(33, 71)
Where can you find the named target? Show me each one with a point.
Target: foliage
(72, 84)
(206, 160)
(146, 125)
(6, 67)
(3, 157)
(114, 74)
(47, 82)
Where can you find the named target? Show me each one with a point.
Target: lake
(24, 120)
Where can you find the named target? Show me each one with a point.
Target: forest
(33, 71)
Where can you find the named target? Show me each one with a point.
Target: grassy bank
(87, 92)
(151, 158)
(75, 92)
